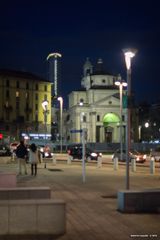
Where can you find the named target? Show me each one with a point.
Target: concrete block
(139, 201)
(32, 217)
(25, 193)
(8, 179)
(22, 217)
(51, 217)
(4, 211)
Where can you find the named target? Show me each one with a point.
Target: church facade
(96, 107)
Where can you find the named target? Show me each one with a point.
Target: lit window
(17, 94)
(27, 95)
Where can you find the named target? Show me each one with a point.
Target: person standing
(21, 153)
(33, 158)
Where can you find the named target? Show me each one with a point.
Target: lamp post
(82, 134)
(120, 83)
(60, 99)
(129, 53)
(45, 112)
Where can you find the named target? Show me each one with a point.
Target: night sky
(30, 30)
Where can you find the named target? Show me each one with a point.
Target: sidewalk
(92, 206)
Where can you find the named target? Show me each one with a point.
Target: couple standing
(33, 156)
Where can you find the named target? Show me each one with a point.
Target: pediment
(109, 100)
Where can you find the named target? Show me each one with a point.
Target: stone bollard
(133, 165)
(152, 165)
(115, 162)
(13, 156)
(41, 158)
(99, 162)
(54, 159)
(69, 159)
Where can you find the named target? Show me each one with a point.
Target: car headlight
(41, 149)
(144, 156)
(94, 154)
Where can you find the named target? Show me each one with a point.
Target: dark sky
(30, 30)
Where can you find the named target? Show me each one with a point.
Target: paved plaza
(92, 206)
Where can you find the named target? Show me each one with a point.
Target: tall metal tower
(53, 72)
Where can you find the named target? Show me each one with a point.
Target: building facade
(21, 97)
(96, 107)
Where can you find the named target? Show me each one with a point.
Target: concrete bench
(25, 193)
(147, 201)
(32, 218)
(8, 179)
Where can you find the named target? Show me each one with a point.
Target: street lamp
(120, 83)
(45, 112)
(60, 99)
(128, 54)
(82, 134)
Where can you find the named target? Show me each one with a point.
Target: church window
(110, 102)
(84, 118)
(68, 118)
(98, 118)
(81, 101)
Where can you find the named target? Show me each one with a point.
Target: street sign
(75, 130)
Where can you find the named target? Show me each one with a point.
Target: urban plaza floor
(92, 206)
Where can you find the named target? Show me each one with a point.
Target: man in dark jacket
(21, 153)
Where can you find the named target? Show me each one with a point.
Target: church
(96, 108)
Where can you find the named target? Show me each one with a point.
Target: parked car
(45, 151)
(13, 146)
(155, 153)
(5, 150)
(133, 154)
(76, 152)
